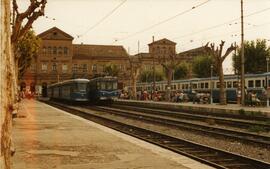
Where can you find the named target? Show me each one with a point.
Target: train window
(102, 85)
(229, 84)
(194, 86)
(183, 86)
(218, 85)
(206, 85)
(235, 84)
(186, 86)
(250, 83)
(81, 86)
(202, 85)
(257, 83)
(179, 86)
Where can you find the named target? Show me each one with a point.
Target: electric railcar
(70, 90)
(84, 90)
(103, 89)
(253, 82)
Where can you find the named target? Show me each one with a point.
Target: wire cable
(161, 22)
(102, 19)
(219, 25)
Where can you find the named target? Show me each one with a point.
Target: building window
(75, 68)
(49, 50)
(65, 50)
(44, 50)
(54, 50)
(44, 67)
(94, 68)
(33, 67)
(64, 68)
(60, 51)
(54, 67)
(84, 67)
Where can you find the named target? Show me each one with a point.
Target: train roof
(226, 77)
(69, 81)
(104, 77)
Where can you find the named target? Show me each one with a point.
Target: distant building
(59, 59)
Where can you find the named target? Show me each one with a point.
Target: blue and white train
(84, 90)
(253, 82)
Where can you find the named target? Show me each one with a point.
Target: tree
(255, 57)
(111, 70)
(135, 68)
(28, 47)
(6, 80)
(181, 71)
(22, 23)
(216, 53)
(147, 76)
(202, 66)
(169, 64)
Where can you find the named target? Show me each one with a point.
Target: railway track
(250, 138)
(211, 156)
(233, 122)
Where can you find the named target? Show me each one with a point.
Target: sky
(133, 23)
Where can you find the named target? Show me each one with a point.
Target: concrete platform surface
(48, 138)
(230, 108)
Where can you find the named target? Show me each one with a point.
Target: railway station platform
(46, 138)
(215, 108)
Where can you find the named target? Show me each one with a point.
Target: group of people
(252, 99)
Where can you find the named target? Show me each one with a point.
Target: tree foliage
(202, 66)
(111, 70)
(147, 76)
(27, 47)
(181, 71)
(255, 53)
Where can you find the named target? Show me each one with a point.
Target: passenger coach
(70, 90)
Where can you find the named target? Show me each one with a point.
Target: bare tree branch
(229, 50)
(35, 10)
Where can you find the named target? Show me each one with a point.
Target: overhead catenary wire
(102, 19)
(164, 21)
(222, 24)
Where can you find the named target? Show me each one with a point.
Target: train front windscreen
(107, 85)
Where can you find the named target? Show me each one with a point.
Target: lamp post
(211, 85)
(267, 63)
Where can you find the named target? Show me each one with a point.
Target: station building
(59, 59)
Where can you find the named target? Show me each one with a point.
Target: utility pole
(154, 71)
(242, 58)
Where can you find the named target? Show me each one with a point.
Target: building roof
(85, 52)
(55, 34)
(192, 51)
(163, 41)
(143, 55)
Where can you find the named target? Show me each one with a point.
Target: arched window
(54, 50)
(54, 68)
(44, 50)
(49, 50)
(60, 50)
(65, 50)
